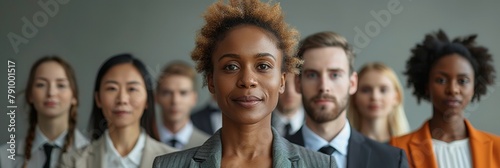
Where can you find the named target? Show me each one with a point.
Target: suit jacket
(484, 147)
(79, 142)
(209, 155)
(364, 152)
(197, 138)
(201, 119)
(92, 156)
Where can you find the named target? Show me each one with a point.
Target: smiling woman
(120, 124)
(450, 75)
(244, 51)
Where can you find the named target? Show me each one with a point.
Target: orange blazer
(485, 148)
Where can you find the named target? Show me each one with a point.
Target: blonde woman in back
(376, 110)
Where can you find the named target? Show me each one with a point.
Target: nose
(174, 98)
(375, 94)
(453, 88)
(247, 79)
(122, 97)
(324, 84)
(52, 90)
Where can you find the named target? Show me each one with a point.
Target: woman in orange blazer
(449, 74)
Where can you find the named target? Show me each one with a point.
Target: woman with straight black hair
(120, 124)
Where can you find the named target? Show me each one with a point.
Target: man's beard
(321, 115)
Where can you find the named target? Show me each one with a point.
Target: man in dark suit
(326, 81)
(209, 118)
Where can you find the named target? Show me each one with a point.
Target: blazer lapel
(421, 150)
(96, 152)
(481, 147)
(209, 154)
(283, 154)
(358, 154)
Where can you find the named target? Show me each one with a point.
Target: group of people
(272, 105)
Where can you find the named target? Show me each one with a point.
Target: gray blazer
(91, 157)
(285, 154)
(197, 138)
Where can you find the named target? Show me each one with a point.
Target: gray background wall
(87, 32)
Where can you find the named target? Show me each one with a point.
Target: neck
(53, 127)
(175, 126)
(376, 129)
(327, 130)
(246, 141)
(448, 128)
(289, 113)
(124, 138)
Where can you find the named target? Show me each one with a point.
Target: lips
(247, 101)
(50, 103)
(121, 112)
(452, 103)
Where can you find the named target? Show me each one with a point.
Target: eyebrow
(128, 83)
(445, 74)
(329, 70)
(58, 79)
(259, 55)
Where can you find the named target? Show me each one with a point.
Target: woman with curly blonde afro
(244, 51)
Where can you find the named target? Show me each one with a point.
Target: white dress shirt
(182, 136)
(296, 122)
(132, 160)
(38, 157)
(455, 154)
(314, 142)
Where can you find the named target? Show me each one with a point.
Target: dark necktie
(48, 153)
(173, 142)
(327, 150)
(288, 127)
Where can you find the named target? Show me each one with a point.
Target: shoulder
(403, 141)
(175, 159)
(157, 147)
(483, 135)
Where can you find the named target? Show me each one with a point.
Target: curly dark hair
(221, 17)
(437, 45)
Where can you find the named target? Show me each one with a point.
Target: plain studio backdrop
(85, 33)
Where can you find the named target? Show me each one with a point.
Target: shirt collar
(41, 139)
(135, 155)
(296, 121)
(182, 136)
(315, 142)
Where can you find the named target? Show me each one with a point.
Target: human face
(290, 101)
(176, 97)
(122, 96)
(377, 95)
(451, 85)
(247, 77)
(325, 83)
(51, 95)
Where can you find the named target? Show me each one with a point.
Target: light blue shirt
(314, 142)
(182, 136)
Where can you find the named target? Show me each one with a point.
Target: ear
(210, 83)
(353, 83)
(298, 88)
(96, 99)
(282, 82)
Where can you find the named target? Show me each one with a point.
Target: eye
(334, 75)
(463, 81)
(184, 93)
(440, 80)
(231, 67)
(133, 89)
(39, 85)
(311, 75)
(62, 86)
(166, 93)
(383, 89)
(110, 88)
(263, 67)
(366, 90)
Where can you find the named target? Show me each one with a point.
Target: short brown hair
(326, 39)
(221, 17)
(180, 68)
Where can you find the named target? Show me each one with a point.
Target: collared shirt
(132, 160)
(340, 142)
(182, 136)
(296, 122)
(454, 154)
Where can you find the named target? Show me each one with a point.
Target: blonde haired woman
(376, 110)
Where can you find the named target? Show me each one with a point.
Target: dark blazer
(364, 152)
(201, 119)
(285, 154)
